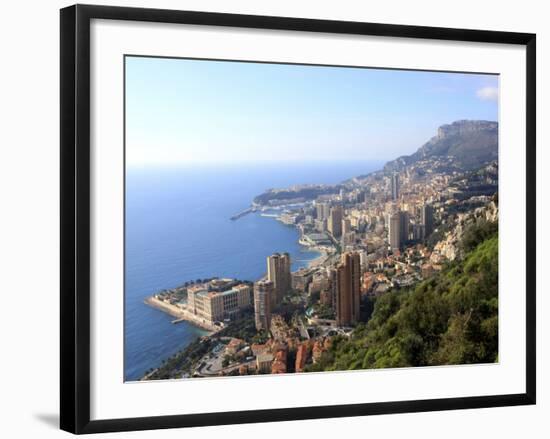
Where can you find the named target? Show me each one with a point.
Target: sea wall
(182, 314)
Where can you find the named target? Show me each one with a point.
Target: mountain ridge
(472, 143)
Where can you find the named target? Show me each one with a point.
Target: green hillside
(451, 318)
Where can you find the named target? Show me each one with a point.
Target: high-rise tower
(335, 221)
(394, 230)
(278, 272)
(348, 291)
(427, 219)
(404, 227)
(263, 290)
(395, 186)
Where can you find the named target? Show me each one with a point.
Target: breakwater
(242, 213)
(181, 314)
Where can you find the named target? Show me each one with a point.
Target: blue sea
(178, 228)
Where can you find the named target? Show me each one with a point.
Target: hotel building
(214, 306)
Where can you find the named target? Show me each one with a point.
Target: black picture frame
(75, 217)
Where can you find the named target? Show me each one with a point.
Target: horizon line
(174, 164)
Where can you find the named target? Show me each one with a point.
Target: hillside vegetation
(451, 318)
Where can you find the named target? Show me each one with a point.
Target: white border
(111, 398)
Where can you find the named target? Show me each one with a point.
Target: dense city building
(404, 227)
(278, 272)
(348, 286)
(419, 232)
(346, 226)
(427, 219)
(263, 362)
(334, 224)
(394, 230)
(395, 186)
(332, 286)
(323, 211)
(263, 290)
(301, 279)
(320, 225)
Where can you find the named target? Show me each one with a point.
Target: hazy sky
(181, 111)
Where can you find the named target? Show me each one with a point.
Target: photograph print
(293, 218)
